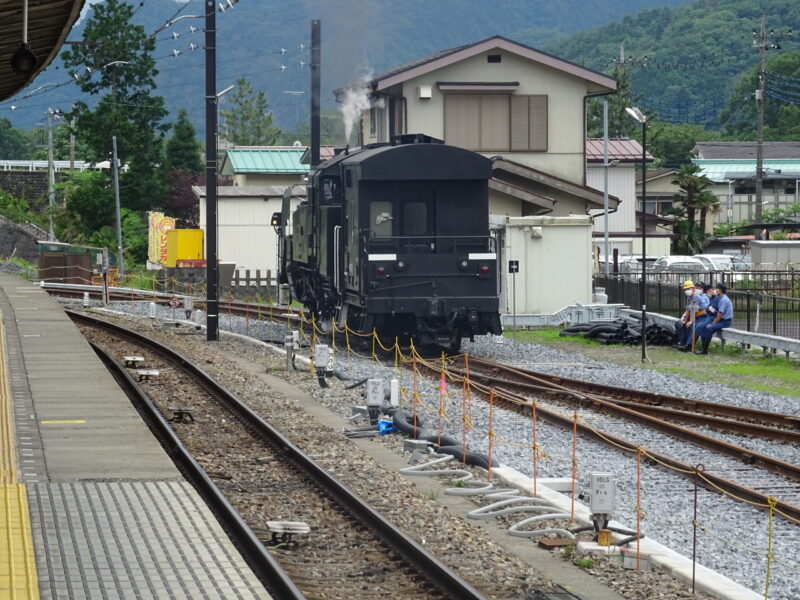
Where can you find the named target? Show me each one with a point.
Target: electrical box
(602, 489)
(425, 92)
(322, 357)
(374, 392)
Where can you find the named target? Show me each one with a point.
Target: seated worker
(723, 317)
(696, 304)
(702, 322)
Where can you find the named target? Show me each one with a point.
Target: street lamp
(641, 118)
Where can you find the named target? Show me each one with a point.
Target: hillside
(358, 36)
(695, 52)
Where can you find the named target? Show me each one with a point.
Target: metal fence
(755, 311)
(783, 282)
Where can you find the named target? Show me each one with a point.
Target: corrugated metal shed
(725, 170)
(49, 21)
(621, 149)
(274, 159)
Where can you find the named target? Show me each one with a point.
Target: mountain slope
(358, 36)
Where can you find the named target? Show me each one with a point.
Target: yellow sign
(158, 226)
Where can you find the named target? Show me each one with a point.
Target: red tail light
(484, 270)
(380, 271)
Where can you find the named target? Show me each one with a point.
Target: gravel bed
(666, 497)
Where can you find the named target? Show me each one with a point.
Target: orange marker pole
(574, 463)
(414, 392)
(491, 431)
(533, 447)
(638, 502)
(464, 412)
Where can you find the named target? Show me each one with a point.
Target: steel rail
(439, 574)
(523, 404)
(272, 574)
(767, 463)
(740, 413)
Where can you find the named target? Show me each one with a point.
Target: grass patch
(547, 336)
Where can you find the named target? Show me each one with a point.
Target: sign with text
(157, 228)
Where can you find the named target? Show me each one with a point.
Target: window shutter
(494, 123)
(462, 121)
(519, 122)
(538, 123)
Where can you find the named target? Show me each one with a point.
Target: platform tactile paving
(18, 578)
(133, 540)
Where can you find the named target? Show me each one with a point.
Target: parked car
(631, 264)
(716, 262)
(675, 269)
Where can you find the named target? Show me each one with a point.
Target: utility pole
(51, 173)
(316, 42)
(212, 273)
(115, 167)
(607, 264)
(763, 41)
(72, 144)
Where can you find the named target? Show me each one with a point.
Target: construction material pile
(624, 330)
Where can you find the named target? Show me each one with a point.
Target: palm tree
(694, 196)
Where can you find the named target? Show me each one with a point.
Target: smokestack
(315, 91)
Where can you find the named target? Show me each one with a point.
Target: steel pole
(316, 40)
(762, 60)
(120, 261)
(605, 185)
(212, 280)
(51, 173)
(644, 239)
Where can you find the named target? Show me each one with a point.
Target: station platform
(92, 507)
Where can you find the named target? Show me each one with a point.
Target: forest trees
(118, 66)
(247, 122)
(693, 198)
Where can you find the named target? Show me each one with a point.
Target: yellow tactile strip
(8, 455)
(18, 578)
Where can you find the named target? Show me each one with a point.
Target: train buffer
(181, 414)
(133, 361)
(146, 374)
(283, 532)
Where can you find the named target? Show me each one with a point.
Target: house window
(496, 122)
(494, 58)
(373, 122)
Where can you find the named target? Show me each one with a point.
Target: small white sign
(322, 356)
(374, 392)
(602, 489)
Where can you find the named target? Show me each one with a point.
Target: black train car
(395, 237)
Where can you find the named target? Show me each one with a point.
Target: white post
(51, 171)
(120, 261)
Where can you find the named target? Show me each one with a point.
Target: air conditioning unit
(424, 92)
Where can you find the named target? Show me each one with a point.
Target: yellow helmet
(688, 284)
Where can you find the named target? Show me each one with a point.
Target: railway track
(352, 547)
(740, 471)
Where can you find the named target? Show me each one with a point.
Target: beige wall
(622, 184)
(555, 259)
(286, 179)
(565, 154)
(244, 235)
(500, 204)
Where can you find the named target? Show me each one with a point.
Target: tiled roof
(621, 149)
(270, 159)
(746, 150)
(325, 153)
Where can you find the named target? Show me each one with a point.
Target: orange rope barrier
(414, 392)
(464, 411)
(638, 503)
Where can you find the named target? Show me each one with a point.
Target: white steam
(356, 101)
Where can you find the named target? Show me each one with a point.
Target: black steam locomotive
(395, 237)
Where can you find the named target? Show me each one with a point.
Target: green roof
(264, 160)
(724, 170)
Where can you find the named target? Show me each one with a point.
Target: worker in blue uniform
(722, 319)
(696, 304)
(705, 320)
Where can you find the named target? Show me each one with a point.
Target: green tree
(183, 149)
(18, 209)
(781, 118)
(118, 66)
(88, 206)
(671, 144)
(248, 123)
(620, 123)
(694, 197)
(14, 145)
